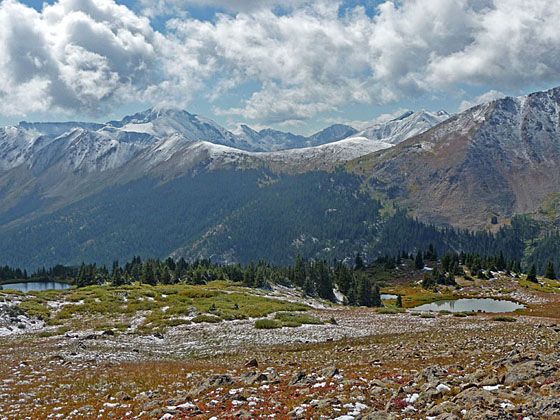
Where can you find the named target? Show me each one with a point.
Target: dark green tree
(532, 274)
(148, 275)
(550, 273)
(419, 261)
(359, 262)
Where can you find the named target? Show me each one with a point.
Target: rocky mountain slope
(494, 160)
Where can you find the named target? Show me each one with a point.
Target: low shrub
(267, 324)
(502, 318)
(389, 310)
(296, 318)
(206, 318)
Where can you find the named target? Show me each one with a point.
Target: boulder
(253, 363)
(528, 371)
(299, 379)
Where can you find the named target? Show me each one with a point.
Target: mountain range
(167, 182)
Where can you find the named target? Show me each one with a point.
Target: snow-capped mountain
(331, 134)
(16, 145)
(82, 150)
(269, 140)
(159, 133)
(55, 129)
(407, 125)
(175, 157)
(161, 123)
(494, 160)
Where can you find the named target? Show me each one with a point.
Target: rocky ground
(366, 365)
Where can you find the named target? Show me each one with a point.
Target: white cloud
(510, 43)
(167, 7)
(84, 55)
(485, 97)
(313, 60)
(91, 55)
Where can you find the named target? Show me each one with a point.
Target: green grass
(545, 285)
(163, 306)
(267, 324)
(502, 318)
(206, 318)
(390, 310)
(289, 319)
(414, 295)
(36, 308)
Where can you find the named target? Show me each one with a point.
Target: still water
(471, 305)
(36, 286)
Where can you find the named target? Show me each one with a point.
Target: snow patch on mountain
(407, 125)
(160, 135)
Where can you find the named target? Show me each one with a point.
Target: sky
(296, 65)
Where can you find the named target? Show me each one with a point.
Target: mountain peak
(404, 115)
(408, 124)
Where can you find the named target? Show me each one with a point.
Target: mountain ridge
(496, 159)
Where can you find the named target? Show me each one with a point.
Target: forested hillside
(246, 216)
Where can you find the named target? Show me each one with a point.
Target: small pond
(386, 296)
(471, 305)
(36, 286)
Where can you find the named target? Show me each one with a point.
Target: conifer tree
(352, 295)
(365, 295)
(419, 261)
(532, 274)
(376, 297)
(359, 262)
(550, 273)
(148, 276)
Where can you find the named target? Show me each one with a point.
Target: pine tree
(419, 261)
(343, 278)
(117, 278)
(309, 286)
(431, 253)
(550, 273)
(365, 295)
(359, 262)
(376, 297)
(325, 284)
(428, 282)
(352, 295)
(148, 276)
(532, 274)
(165, 276)
(299, 272)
